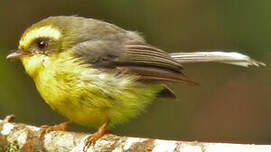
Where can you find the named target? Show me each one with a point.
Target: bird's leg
(59, 127)
(98, 134)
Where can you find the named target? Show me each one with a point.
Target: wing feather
(139, 58)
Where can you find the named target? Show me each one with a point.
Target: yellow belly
(90, 97)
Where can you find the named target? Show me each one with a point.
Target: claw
(91, 140)
(59, 127)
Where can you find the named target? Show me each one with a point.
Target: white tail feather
(221, 57)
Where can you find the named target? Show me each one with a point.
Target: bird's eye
(41, 44)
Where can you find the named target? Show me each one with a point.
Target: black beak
(17, 54)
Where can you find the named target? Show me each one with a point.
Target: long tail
(221, 57)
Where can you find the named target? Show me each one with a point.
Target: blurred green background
(233, 104)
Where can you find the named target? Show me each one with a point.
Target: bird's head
(45, 41)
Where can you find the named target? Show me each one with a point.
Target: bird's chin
(34, 64)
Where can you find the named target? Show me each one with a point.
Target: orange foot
(59, 127)
(91, 140)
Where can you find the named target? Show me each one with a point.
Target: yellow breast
(86, 95)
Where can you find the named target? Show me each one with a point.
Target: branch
(25, 138)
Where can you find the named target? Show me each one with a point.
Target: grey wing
(139, 58)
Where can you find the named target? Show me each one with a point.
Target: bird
(99, 75)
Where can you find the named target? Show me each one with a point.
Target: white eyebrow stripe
(45, 31)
